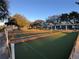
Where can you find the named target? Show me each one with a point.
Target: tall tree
(74, 15)
(3, 9)
(21, 20)
(64, 17)
(11, 21)
(38, 24)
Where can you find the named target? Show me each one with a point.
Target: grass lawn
(57, 46)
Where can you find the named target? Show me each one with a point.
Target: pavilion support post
(73, 26)
(60, 27)
(51, 28)
(55, 27)
(66, 27)
(47, 27)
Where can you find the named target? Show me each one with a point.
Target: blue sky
(41, 9)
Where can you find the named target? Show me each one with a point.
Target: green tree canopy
(11, 21)
(38, 24)
(74, 15)
(3, 9)
(64, 17)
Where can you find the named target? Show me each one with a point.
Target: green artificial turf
(53, 47)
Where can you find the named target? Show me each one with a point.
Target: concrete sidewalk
(75, 51)
(3, 50)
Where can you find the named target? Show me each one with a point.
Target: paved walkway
(75, 51)
(3, 50)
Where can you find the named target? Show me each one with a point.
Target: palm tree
(3, 9)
